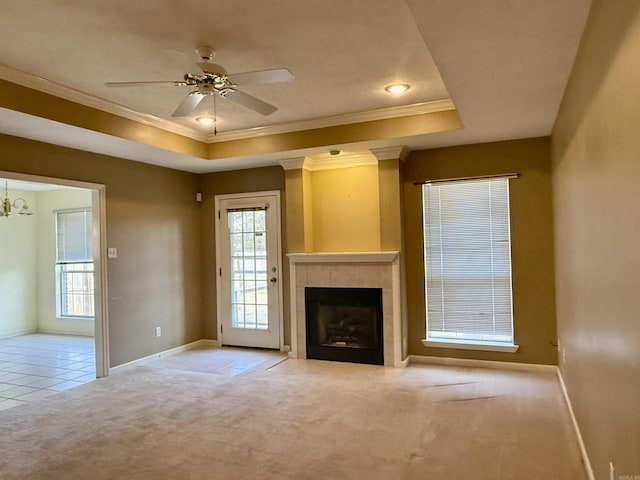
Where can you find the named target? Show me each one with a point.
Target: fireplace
(353, 270)
(344, 324)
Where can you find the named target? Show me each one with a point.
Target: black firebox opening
(344, 324)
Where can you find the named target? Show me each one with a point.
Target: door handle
(273, 280)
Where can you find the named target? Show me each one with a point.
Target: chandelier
(18, 203)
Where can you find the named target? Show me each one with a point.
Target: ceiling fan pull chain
(215, 117)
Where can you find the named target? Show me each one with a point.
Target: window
(467, 251)
(249, 287)
(74, 264)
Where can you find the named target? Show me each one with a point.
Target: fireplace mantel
(343, 257)
(349, 269)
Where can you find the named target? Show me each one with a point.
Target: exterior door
(249, 271)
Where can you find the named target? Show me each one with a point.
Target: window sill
(468, 345)
(63, 317)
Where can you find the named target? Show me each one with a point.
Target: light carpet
(234, 414)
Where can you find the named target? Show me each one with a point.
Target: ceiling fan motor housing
(213, 69)
(206, 53)
(210, 83)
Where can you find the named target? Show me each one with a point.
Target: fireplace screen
(347, 326)
(344, 324)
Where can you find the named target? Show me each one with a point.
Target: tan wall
(390, 221)
(296, 238)
(154, 221)
(48, 202)
(346, 210)
(18, 268)
(239, 181)
(531, 236)
(307, 199)
(596, 166)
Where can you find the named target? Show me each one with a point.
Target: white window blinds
(467, 251)
(73, 236)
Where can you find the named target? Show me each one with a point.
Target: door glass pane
(236, 244)
(261, 316)
(261, 268)
(261, 243)
(235, 223)
(248, 243)
(237, 272)
(261, 293)
(249, 304)
(249, 268)
(261, 222)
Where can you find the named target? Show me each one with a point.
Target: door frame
(99, 227)
(218, 215)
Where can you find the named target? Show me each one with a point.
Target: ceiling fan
(215, 80)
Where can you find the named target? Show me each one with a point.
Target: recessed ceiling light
(397, 87)
(205, 120)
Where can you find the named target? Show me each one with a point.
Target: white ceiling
(505, 64)
(30, 186)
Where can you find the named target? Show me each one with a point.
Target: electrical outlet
(112, 252)
(158, 331)
(612, 471)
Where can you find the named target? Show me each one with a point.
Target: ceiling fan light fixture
(25, 210)
(205, 120)
(397, 88)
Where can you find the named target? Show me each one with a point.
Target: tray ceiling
(503, 64)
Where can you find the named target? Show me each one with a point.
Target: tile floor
(37, 365)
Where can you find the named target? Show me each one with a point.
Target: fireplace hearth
(344, 324)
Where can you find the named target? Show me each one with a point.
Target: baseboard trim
(470, 363)
(64, 332)
(166, 353)
(403, 363)
(574, 421)
(16, 333)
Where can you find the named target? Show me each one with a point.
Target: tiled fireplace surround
(349, 270)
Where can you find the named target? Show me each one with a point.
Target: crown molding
(292, 163)
(347, 118)
(53, 88)
(341, 161)
(391, 153)
(316, 164)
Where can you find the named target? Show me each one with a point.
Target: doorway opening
(53, 323)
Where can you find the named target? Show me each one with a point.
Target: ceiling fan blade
(263, 76)
(250, 102)
(176, 83)
(188, 105)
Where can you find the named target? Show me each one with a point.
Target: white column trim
(292, 163)
(399, 152)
